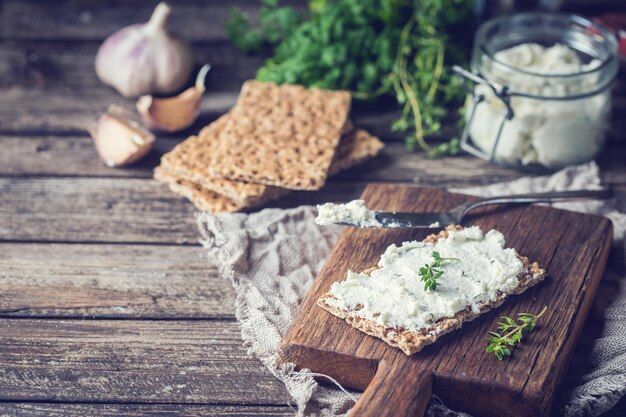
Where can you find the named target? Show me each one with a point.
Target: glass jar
(550, 117)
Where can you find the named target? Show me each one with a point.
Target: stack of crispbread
(275, 139)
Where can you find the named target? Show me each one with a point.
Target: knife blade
(401, 219)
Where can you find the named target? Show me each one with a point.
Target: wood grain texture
(63, 110)
(131, 361)
(75, 156)
(51, 65)
(50, 96)
(102, 210)
(391, 385)
(194, 20)
(111, 281)
(572, 247)
(92, 210)
(137, 410)
(114, 210)
(73, 110)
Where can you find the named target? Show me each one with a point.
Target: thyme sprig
(499, 343)
(429, 274)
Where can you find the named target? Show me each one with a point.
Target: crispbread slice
(283, 136)
(203, 199)
(187, 161)
(356, 146)
(208, 200)
(412, 341)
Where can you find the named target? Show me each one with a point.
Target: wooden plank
(72, 110)
(111, 281)
(70, 156)
(117, 210)
(194, 20)
(76, 156)
(177, 410)
(63, 110)
(467, 378)
(120, 361)
(137, 410)
(49, 64)
(114, 210)
(94, 210)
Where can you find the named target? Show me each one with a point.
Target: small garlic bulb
(145, 58)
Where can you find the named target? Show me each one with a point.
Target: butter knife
(456, 215)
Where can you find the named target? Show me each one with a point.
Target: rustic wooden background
(108, 305)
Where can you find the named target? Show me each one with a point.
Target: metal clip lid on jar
(521, 117)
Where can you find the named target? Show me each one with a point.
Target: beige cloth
(271, 258)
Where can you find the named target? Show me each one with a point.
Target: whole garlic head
(145, 58)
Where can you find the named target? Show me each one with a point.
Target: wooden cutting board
(572, 247)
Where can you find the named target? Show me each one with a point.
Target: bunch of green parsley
(402, 48)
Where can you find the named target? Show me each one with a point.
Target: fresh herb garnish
(499, 344)
(429, 274)
(398, 48)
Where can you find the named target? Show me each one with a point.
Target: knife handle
(550, 197)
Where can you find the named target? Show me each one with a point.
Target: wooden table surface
(108, 305)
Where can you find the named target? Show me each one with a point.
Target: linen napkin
(272, 257)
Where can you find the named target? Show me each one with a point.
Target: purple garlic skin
(145, 58)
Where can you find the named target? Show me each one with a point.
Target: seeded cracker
(355, 147)
(202, 198)
(189, 161)
(413, 341)
(283, 136)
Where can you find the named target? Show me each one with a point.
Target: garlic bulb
(172, 114)
(120, 140)
(145, 58)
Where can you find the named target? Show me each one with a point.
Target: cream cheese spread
(549, 132)
(353, 212)
(394, 295)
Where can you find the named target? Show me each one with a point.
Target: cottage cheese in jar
(559, 95)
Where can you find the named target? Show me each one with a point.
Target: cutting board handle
(395, 391)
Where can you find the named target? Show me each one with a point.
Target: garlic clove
(145, 58)
(119, 140)
(172, 114)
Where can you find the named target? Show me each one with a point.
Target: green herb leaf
(399, 48)
(498, 342)
(429, 275)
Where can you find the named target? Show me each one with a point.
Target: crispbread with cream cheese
(283, 136)
(411, 341)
